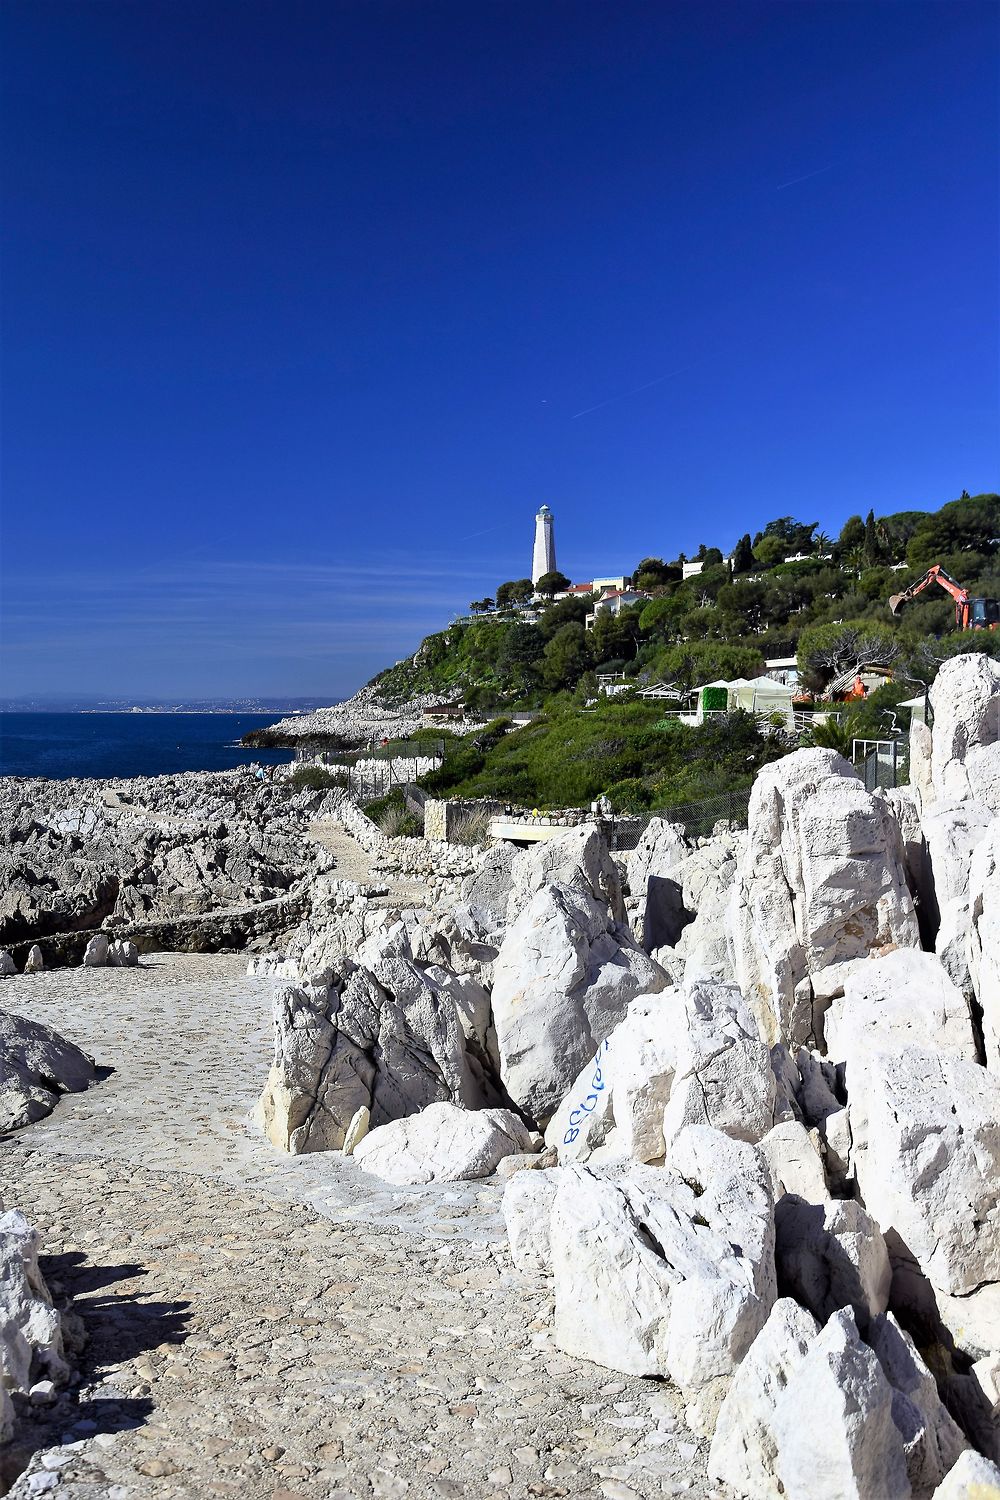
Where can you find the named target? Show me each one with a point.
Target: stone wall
(204, 932)
(445, 818)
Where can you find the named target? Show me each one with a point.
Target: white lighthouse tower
(543, 558)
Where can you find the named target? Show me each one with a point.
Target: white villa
(613, 601)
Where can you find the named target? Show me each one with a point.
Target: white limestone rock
(357, 1130)
(794, 1161)
(744, 1449)
(564, 977)
(972, 1477)
(831, 1255)
(618, 1098)
(708, 876)
(7, 965)
(951, 830)
(932, 1439)
(965, 736)
(648, 1278)
(389, 1041)
(833, 1423)
(933, 1171)
(31, 1332)
(983, 937)
(579, 858)
(443, 1143)
(723, 1075)
(527, 1211)
(821, 885)
(95, 955)
(37, 1065)
(35, 961)
(920, 744)
(819, 1413)
(905, 998)
(123, 954)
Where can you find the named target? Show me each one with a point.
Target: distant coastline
(112, 744)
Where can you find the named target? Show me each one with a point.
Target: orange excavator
(970, 613)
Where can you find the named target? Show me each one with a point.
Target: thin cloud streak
(804, 178)
(623, 395)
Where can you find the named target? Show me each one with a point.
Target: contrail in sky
(622, 394)
(472, 534)
(804, 178)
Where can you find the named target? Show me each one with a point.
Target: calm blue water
(62, 745)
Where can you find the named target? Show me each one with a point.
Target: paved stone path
(355, 863)
(281, 1328)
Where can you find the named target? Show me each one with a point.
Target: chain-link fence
(699, 818)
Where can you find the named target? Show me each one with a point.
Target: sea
(129, 744)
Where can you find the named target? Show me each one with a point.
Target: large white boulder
(36, 1066)
(744, 1451)
(932, 1439)
(666, 1271)
(983, 937)
(965, 762)
(563, 979)
(951, 830)
(820, 1413)
(678, 1058)
(831, 1255)
(391, 1041)
(618, 1099)
(932, 1172)
(723, 1075)
(95, 954)
(708, 876)
(904, 998)
(31, 1332)
(821, 885)
(833, 1423)
(579, 858)
(443, 1143)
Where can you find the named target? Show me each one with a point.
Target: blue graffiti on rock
(588, 1104)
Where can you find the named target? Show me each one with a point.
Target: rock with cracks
(666, 1271)
(390, 1041)
(821, 885)
(564, 977)
(965, 756)
(443, 1143)
(31, 1334)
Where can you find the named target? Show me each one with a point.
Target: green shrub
(629, 796)
(314, 778)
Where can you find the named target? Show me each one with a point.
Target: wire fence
(699, 818)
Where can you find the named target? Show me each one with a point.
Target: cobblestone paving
(286, 1329)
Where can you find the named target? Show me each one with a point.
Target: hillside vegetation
(726, 620)
(830, 609)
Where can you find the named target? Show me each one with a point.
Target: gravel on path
(280, 1328)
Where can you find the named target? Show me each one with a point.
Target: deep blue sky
(308, 306)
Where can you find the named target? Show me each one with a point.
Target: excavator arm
(936, 574)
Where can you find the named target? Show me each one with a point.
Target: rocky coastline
(718, 1122)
